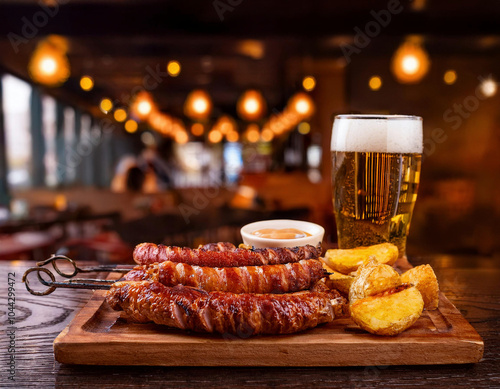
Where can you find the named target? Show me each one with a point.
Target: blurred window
(49, 132)
(70, 154)
(16, 108)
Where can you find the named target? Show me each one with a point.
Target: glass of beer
(375, 175)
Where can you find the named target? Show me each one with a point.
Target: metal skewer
(75, 283)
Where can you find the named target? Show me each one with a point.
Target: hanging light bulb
(49, 64)
(131, 126)
(410, 62)
(300, 104)
(251, 105)
(87, 83)
(267, 135)
(106, 105)
(120, 115)
(232, 136)
(309, 83)
(214, 136)
(252, 133)
(225, 124)
(173, 68)
(198, 105)
(197, 129)
(143, 105)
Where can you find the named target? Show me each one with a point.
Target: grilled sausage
(290, 277)
(219, 246)
(147, 253)
(242, 315)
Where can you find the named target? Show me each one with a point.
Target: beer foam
(402, 134)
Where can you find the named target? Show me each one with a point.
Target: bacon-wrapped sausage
(147, 253)
(219, 246)
(243, 315)
(290, 277)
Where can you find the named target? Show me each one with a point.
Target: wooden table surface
(470, 282)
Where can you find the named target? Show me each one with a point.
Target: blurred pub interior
(178, 122)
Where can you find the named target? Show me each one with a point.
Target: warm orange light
(488, 87)
(106, 105)
(198, 105)
(197, 129)
(267, 135)
(375, 83)
(225, 124)
(214, 136)
(143, 105)
(301, 104)
(309, 83)
(232, 136)
(410, 63)
(173, 68)
(49, 64)
(87, 83)
(131, 126)
(450, 77)
(181, 137)
(304, 128)
(120, 115)
(252, 133)
(251, 48)
(251, 105)
(144, 108)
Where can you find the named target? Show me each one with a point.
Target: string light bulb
(49, 64)
(142, 105)
(375, 83)
(252, 133)
(106, 105)
(301, 104)
(488, 87)
(410, 62)
(197, 129)
(214, 136)
(450, 77)
(173, 68)
(120, 115)
(309, 83)
(251, 106)
(87, 83)
(198, 105)
(131, 126)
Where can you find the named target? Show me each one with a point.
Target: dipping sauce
(283, 233)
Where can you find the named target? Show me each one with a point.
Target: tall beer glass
(375, 175)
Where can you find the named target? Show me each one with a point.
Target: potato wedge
(347, 261)
(337, 280)
(373, 278)
(424, 279)
(389, 313)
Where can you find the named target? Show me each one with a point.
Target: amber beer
(375, 174)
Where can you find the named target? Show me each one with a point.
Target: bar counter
(470, 282)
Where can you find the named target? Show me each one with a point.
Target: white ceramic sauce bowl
(317, 232)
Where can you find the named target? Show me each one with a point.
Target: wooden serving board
(100, 336)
